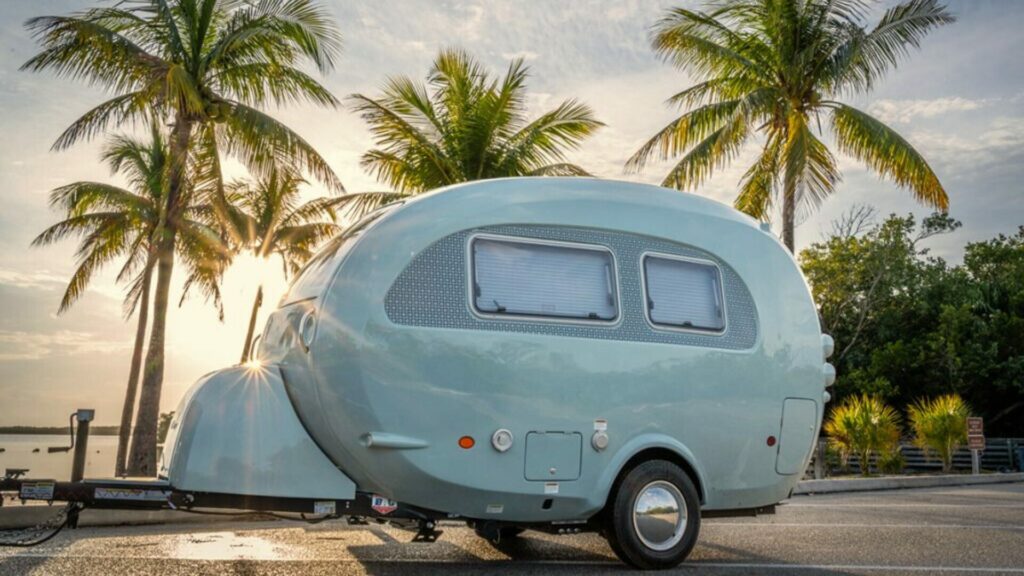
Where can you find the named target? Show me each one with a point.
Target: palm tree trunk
(142, 458)
(128, 410)
(788, 213)
(252, 324)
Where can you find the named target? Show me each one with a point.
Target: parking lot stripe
(852, 567)
(872, 526)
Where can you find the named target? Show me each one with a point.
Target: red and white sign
(382, 505)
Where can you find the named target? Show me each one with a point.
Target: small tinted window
(536, 279)
(684, 294)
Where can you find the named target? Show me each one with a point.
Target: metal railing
(1000, 454)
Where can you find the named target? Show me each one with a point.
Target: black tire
(652, 478)
(510, 532)
(504, 534)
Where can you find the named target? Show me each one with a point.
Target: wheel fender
(636, 446)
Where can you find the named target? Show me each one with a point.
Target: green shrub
(891, 462)
(863, 425)
(940, 426)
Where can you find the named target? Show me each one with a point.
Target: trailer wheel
(653, 517)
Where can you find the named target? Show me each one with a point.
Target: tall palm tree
(466, 126)
(206, 67)
(115, 222)
(774, 69)
(265, 217)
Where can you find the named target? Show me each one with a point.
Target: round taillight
(466, 442)
(771, 441)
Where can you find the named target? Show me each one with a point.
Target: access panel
(799, 424)
(553, 455)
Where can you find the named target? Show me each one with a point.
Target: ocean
(19, 452)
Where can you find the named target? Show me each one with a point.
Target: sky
(959, 100)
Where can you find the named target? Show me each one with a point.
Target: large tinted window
(540, 279)
(684, 294)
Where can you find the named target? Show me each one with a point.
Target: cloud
(20, 345)
(526, 55)
(962, 152)
(903, 111)
(40, 279)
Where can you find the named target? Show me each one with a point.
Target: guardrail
(999, 454)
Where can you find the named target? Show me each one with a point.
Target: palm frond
(263, 143)
(887, 153)
(709, 154)
(807, 164)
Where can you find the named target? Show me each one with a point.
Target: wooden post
(84, 417)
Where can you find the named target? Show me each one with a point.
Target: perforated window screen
(525, 278)
(684, 294)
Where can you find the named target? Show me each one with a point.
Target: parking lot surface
(966, 530)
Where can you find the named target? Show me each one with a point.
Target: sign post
(976, 442)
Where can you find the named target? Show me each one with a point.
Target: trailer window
(527, 278)
(685, 294)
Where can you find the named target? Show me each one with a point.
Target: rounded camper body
(505, 350)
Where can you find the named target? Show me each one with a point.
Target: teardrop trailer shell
(557, 354)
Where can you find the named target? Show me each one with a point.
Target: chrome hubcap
(659, 515)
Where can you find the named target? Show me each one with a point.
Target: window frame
(674, 327)
(511, 316)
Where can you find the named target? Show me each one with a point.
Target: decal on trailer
(324, 507)
(132, 494)
(37, 490)
(382, 505)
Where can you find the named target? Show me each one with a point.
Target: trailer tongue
(157, 494)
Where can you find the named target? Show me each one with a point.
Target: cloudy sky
(960, 101)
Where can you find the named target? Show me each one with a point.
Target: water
(99, 461)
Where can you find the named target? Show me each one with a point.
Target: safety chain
(35, 535)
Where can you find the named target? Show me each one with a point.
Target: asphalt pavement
(964, 530)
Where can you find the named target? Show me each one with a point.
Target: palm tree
(466, 126)
(265, 217)
(115, 222)
(206, 67)
(774, 69)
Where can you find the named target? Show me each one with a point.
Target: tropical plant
(774, 69)
(205, 67)
(891, 462)
(265, 217)
(467, 126)
(115, 222)
(940, 426)
(863, 426)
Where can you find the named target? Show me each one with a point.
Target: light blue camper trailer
(561, 354)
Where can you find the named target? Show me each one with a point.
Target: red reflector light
(771, 441)
(466, 442)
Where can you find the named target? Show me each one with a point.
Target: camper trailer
(557, 354)
(529, 352)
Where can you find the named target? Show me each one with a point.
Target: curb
(901, 482)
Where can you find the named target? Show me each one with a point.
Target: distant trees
(908, 325)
